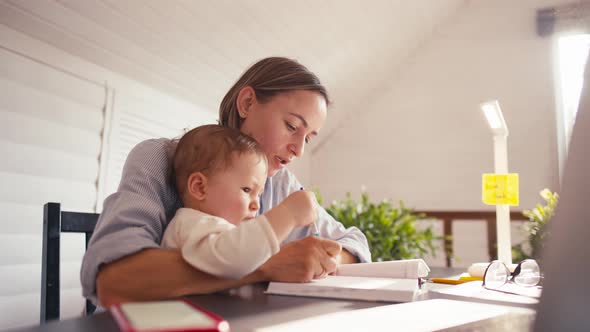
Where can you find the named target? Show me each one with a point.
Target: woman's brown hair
(268, 77)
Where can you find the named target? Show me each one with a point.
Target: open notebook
(392, 281)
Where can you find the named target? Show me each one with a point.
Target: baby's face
(234, 194)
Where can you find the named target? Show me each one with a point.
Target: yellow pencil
(469, 278)
(448, 281)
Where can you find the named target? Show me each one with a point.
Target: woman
(282, 105)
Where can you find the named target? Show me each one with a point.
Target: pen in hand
(314, 227)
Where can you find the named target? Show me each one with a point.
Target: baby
(220, 174)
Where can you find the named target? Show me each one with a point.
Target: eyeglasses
(527, 274)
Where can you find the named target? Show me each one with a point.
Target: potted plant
(539, 217)
(391, 231)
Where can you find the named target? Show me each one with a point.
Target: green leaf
(391, 231)
(539, 216)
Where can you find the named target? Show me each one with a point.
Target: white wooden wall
(445, 65)
(50, 144)
(53, 109)
(423, 139)
(136, 118)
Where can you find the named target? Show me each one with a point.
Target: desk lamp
(493, 113)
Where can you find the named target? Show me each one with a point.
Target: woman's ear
(197, 185)
(246, 98)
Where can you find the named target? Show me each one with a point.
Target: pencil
(448, 281)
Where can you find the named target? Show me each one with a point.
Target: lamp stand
(502, 210)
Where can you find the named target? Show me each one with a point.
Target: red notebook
(166, 316)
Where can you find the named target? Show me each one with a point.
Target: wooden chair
(55, 222)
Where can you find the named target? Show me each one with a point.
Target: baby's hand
(298, 209)
(302, 206)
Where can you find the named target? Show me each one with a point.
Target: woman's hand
(302, 260)
(155, 274)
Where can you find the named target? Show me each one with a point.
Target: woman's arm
(347, 258)
(134, 217)
(353, 241)
(160, 274)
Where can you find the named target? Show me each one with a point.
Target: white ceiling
(197, 49)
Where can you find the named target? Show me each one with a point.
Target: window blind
(134, 119)
(50, 123)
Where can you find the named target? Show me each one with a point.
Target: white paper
(408, 268)
(475, 290)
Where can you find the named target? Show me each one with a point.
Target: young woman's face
(284, 124)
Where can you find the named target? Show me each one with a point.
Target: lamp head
(493, 113)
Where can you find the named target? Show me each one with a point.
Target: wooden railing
(489, 217)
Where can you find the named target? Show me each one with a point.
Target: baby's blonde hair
(209, 149)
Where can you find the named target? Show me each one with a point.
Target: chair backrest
(56, 221)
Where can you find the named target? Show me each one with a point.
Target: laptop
(565, 301)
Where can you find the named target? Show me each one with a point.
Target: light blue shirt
(134, 217)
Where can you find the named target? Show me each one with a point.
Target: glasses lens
(529, 274)
(496, 275)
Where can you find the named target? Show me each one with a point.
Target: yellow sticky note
(500, 189)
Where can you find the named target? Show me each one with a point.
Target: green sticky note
(500, 189)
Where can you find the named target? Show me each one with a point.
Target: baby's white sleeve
(215, 246)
